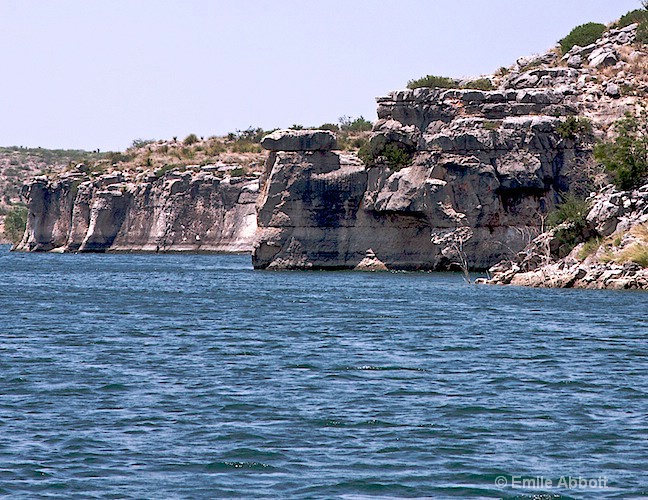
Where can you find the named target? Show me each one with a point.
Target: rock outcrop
(605, 51)
(452, 177)
(177, 211)
(483, 166)
(612, 253)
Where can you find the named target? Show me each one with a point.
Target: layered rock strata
(179, 211)
(483, 167)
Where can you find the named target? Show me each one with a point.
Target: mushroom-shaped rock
(300, 140)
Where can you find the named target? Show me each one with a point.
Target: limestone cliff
(122, 212)
(471, 187)
(453, 177)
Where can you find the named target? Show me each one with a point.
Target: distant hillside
(18, 165)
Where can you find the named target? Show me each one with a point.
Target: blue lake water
(185, 376)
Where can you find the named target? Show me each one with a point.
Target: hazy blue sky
(98, 74)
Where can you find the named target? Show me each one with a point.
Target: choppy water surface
(131, 376)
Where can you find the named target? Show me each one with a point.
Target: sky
(98, 74)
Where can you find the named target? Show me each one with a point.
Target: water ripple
(133, 376)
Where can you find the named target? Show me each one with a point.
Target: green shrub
(574, 127)
(190, 139)
(140, 143)
(432, 81)
(480, 84)
(117, 157)
(164, 169)
(251, 134)
(348, 142)
(634, 16)
(349, 124)
(582, 35)
(395, 155)
(238, 172)
(329, 126)
(358, 142)
(626, 157)
(642, 34)
(572, 210)
(367, 155)
(15, 223)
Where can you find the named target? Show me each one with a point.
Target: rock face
(175, 212)
(484, 166)
(451, 179)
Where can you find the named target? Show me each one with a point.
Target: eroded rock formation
(451, 178)
(484, 167)
(179, 211)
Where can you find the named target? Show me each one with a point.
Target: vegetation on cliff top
(238, 153)
(450, 83)
(638, 16)
(432, 81)
(582, 35)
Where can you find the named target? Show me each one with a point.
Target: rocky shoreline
(612, 253)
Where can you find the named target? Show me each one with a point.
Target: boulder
(575, 61)
(300, 140)
(371, 263)
(613, 90)
(603, 57)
